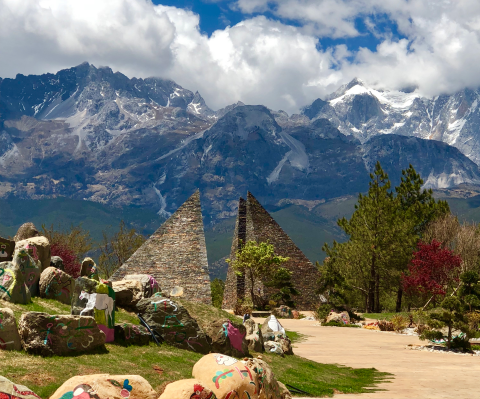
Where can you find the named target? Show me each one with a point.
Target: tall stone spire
(176, 254)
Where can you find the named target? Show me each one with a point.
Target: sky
(280, 53)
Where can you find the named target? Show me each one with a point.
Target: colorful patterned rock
(269, 388)
(38, 248)
(187, 389)
(12, 284)
(9, 390)
(26, 230)
(46, 335)
(92, 298)
(7, 248)
(89, 269)
(9, 337)
(58, 285)
(131, 334)
(106, 386)
(227, 337)
(150, 285)
(127, 293)
(254, 337)
(174, 323)
(28, 267)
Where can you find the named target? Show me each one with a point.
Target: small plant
(337, 324)
(421, 329)
(385, 325)
(473, 320)
(399, 323)
(242, 307)
(475, 347)
(322, 312)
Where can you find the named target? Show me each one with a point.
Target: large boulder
(92, 298)
(10, 390)
(26, 230)
(149, 284)
(7, 248)
(46, 335)
(254, 337)
(9, 337)
(12, 284)
(268, 386)
(38, 248)
(56, 284)
(270, 326)
(283, 312)
(127, 293)
(187, 389)
(173, 322)
(89, 269)
(340, 317)
(29, 267)
(57, 262)
(227, 338)
(131, 334)
(102, 386)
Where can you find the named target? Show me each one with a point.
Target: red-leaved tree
(70, 261)
(432, 270)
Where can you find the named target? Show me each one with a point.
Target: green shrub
(399, 322)
(337, 324)
(385, 325)
(322, 312)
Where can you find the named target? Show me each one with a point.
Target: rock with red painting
(29, 267)
(106, 386)
(9, 337)
(38, 248)
(173, 322)
(187, 389)
(228, 337)
(46, 335)
(12, 284)
(58, 285)
(131, 334)
(10, 390)
(7, 248)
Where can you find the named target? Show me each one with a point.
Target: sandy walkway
(417, 374)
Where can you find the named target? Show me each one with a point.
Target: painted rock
(89, 269)
(26, 230)
(273, 347)
(187, 389)
(57, 262)
(149, 284)
(127, 293)
(268, 386)
(254, 337)
(46, 335)
(29, 267)
(9, 390)
(101, 386)
(270, 326)
(227, 377)
(227, 337)
(12, 284)
(9, 337)
(173, 322)
(131, 334)
(7, 248)
(283, 312)
(285, 343)
(38, 248)
(58, 285)
(92, 298)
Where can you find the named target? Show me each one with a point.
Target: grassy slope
(45, 375)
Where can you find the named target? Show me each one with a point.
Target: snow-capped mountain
(88, 133)
(358, 110)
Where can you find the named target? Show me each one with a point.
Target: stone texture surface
(127, 293)
(341, 317)
(187, 389)
(255, 223)
(176, 254)
(174, 323)
(267, 383)
(10, 390)
(131, 334)
(57, 262)
(26, 230)
(7, 247)
(9, 337)
(56, 284)
(227, 338)
(149, 284)
(38, 248)
(103, 386)
(46, 335)
(283, 312)
(29, 267)
(254, 336)
(89, 269)
(12, 284)
(92, 298)
(267, 331)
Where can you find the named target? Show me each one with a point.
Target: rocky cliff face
(89, 133)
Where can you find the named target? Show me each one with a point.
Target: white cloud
(258, 61)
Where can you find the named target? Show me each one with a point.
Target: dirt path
(417, 374)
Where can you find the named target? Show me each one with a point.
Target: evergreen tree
(282, 281)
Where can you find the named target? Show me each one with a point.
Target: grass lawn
(164, 364)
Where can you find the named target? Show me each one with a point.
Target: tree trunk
(398, 306)
(377, 293)
(449, 337)
(371, 287)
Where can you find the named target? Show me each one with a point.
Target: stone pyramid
(254, 223)
(175, 254)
